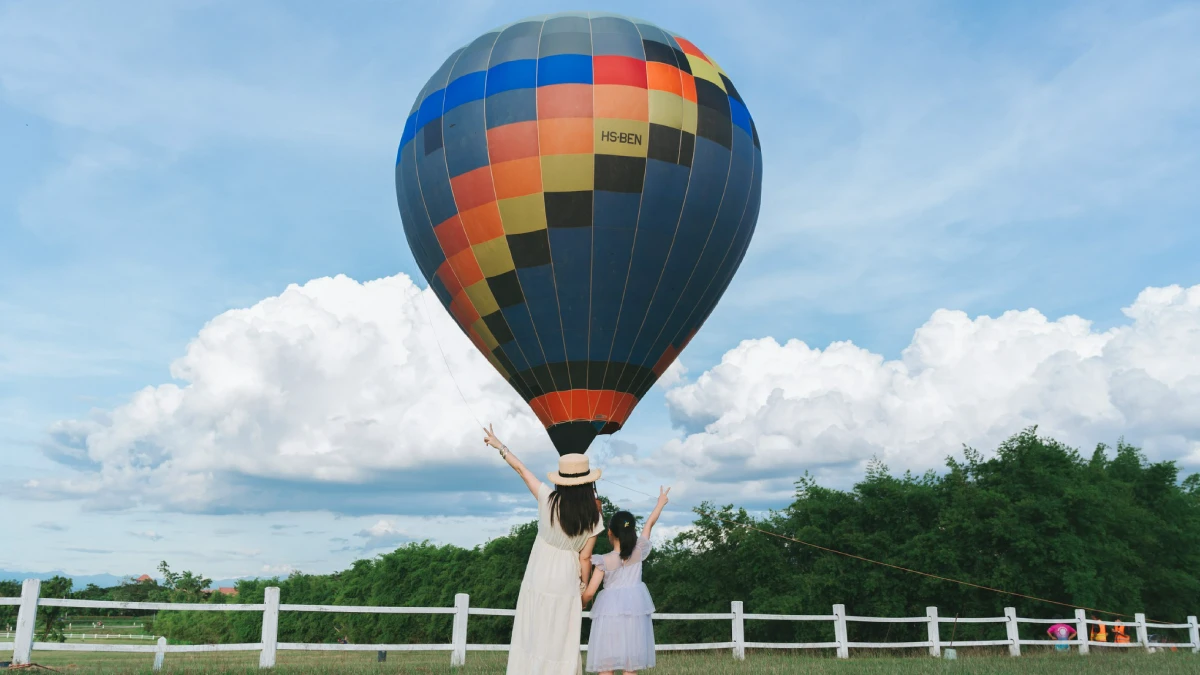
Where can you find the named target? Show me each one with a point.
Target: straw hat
(573, 469)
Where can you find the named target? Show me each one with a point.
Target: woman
(546, 632)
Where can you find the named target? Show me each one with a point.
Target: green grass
(709, 663)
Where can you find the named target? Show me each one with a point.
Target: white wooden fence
(90, 636)
(458, 647)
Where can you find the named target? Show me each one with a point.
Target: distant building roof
(144, 577)
(227, 590)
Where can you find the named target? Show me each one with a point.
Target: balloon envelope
(579, 190)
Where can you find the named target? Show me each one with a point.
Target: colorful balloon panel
(579, 190)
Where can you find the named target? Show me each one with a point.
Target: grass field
(712, 663)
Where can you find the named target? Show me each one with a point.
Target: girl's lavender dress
(622, 633)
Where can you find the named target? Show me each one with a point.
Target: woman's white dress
(546, 632)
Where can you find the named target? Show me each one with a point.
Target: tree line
(1037, 519)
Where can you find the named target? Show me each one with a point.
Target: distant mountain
(80, 581)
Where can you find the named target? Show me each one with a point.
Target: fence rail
(24, 644)
(92, 636)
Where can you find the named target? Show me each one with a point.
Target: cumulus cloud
(383, 534)
(334, 395)
(334, 385)
(674, 375)
(661, 534)
(770, 411)
(147, 534)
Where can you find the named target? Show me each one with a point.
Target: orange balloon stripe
(583, 405)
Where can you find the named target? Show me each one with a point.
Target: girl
(622, 633)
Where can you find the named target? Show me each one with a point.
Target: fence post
(935, 643)
(839, 631)
(26, 621)
(1081, 630)
(458, 653)
(160, 652)
(1014, 635)
(270, 627)
(739, 631)
(1194, 634)
(1142, 633)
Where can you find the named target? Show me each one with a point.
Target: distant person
(1119, 636)
(622, 631)
(549, 620)
(1061, 632)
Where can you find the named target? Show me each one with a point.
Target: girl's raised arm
(531, 481)
(662, 501)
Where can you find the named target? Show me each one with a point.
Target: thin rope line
(562, 329)
(632, 248)
(895, 567)
(675, 237)
(516, 374)
(682, 332)
(650, 354)
(437, 340)
(425, 205)
(587, 373)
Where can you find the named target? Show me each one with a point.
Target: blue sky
(163, 163)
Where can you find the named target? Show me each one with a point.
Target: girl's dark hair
(576, 507)
(623, 527)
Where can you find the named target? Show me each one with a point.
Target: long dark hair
(576, 508)
(623, 527)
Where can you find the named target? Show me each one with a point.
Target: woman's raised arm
(526, 475)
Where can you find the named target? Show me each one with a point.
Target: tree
(1110, 530)
(8, 613)
(183, 587)
(51, 618)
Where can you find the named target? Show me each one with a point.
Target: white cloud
(383, 534)
(336, 390)
(921, 181)
(768, 411)
(674, 375)
(662, 534)
(281, 570)
(334, 383)
(147, 534)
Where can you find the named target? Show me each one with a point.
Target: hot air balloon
(579, 190)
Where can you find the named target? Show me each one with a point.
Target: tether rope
(895, 567)
(784, 537)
